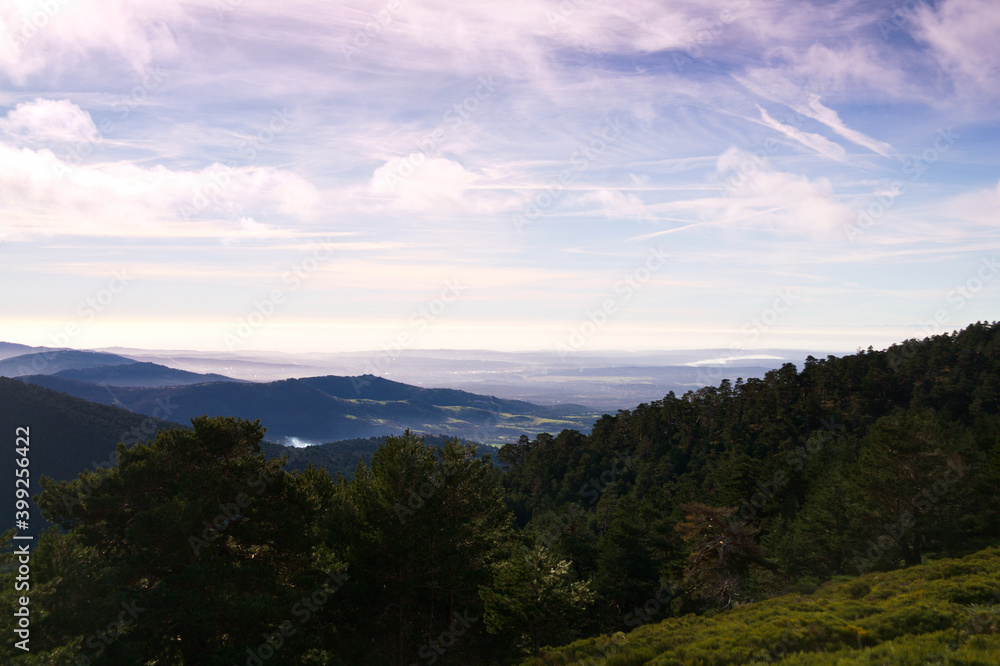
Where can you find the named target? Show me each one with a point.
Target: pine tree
(197, 534)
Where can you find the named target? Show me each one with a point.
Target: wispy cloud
(213, 137)
(815, 142)
(962, 36)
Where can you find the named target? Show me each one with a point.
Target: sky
(571, 175)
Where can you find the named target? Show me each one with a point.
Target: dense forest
(79, 430)
(197, 549)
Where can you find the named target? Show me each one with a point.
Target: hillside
(67, 434)
(51, 362)
(11, 349)
(867, 462)
(99, 368)
(319, 409)
(947, 611)
(696, 511)
(341, 457)
(139, 374)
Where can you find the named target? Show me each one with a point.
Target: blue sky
(526, 174)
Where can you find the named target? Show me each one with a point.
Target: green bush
(858, 589)
(911, 616)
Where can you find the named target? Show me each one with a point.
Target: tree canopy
(195, 549)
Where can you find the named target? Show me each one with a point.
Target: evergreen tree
(423, 527)
(199, 538)
(535, 599)
(722, 551)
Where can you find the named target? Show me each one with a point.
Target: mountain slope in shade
(342, 457)
(51, 362)
(138, 375)
(11, 349)
(66, 434)
(370, 387)
(328, 408)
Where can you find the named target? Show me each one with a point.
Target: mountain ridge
(335, 408)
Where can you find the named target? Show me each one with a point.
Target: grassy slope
(943, 612)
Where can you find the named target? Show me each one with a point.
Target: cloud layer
(541, 148)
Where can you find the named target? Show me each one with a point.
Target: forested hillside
(855, 463)
(70, 434)
(342, 456)
(705, 504)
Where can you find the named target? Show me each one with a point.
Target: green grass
(507, 426)
(943, 612)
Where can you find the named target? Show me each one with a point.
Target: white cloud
(982, 207)
(963, 37)
(41, 194)
(829, 117)
(760, 197)
(46, 120)
(621, 205)
(815, 142)
(252, 226)
(420, 182)
(39, 36)
(558, 81)
(871, 69)
(772, 85)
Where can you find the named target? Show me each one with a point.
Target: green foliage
(854, 464)
(341, 457)
(193, 541)
(722, 552)
(422, 527)
(719, 499)
(535, 599)
(916, 621)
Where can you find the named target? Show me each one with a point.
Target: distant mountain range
(57, 360)
(9, 349)
(79, 403)
(313, 409)
(605, 380)
(68, 435)
(101, 368)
